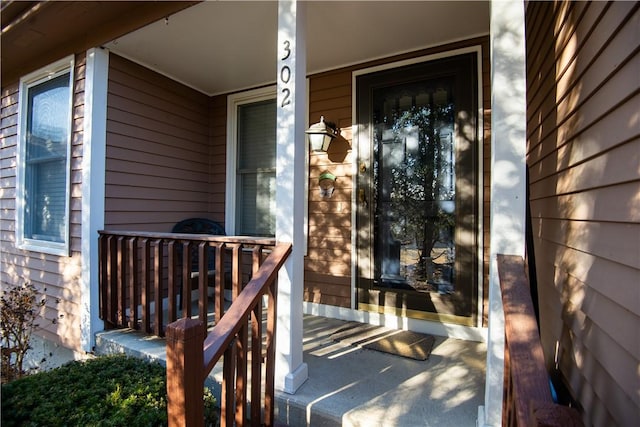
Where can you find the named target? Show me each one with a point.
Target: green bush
(19, 308)
(106, 391)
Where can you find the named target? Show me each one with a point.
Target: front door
(417, 190)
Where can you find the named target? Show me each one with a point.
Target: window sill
(51, 248)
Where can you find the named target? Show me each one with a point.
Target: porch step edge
(291, 411)
(136, 344)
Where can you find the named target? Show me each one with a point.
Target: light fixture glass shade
(320, 135)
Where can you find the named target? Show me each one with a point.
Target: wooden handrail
(224, 332)
(190, 356)
(528, 400)
(250, 240)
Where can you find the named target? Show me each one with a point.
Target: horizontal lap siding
(328, 260)
(57, 278)
(583, 155)
(157, 165)
(217, 156)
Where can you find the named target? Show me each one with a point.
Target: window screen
(47, 139)
(256, 169)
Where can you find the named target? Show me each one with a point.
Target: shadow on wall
(581, 164)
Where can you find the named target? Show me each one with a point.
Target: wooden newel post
(185, 378)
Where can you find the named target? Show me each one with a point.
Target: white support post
(508, 179)
(93, 181)
(291, 372)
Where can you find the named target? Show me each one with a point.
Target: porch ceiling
(36, 33)
(224, 46)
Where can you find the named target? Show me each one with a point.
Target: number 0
(285, 74)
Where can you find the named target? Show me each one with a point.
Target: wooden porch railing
(142, 275)
(189, 361)
(527, 397)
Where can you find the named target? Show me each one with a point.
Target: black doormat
(409, 344)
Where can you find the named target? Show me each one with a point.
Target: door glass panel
(415, 186)
(417, 206)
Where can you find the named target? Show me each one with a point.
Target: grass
(106, 391)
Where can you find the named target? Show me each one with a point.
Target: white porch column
(508, 179)
(93, 180)
(291, 372)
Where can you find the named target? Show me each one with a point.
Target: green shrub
(19, 308)
(106, 391)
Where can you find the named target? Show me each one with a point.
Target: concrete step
(351, 386)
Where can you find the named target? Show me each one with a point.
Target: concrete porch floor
(350, 386)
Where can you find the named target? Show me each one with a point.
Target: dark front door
(417, 191)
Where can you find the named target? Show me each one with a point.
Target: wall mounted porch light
(321, 134)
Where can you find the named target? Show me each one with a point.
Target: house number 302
(285, 75)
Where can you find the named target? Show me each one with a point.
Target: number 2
(285, 99)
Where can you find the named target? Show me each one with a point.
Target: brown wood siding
(157, 162)
(583, 143)
(328, 261)
(217, 157)
(57, 278)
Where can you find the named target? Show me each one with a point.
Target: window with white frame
(43, 159)
(251, 164)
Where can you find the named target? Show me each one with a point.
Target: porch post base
(293, 380)
(480, 421)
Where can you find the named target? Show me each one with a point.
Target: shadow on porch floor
(350, 386)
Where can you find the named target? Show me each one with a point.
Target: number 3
(287, 49)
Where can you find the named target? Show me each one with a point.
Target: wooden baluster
(256, 347)
(145, 296)
(186, 278)
(157, 287)
(106, 274)
(256, 258)
(241, 341)
(133, 282)
(122, 281)
(508, 403)
(113, 281)
(102, 277)
(241, 374)
(269, 389)
(171, 280)
(236, 270)
(218, 303)
(228, 384)
(203, 279)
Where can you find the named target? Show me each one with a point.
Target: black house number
(285, 75)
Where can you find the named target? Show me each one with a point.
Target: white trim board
(93, 189)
